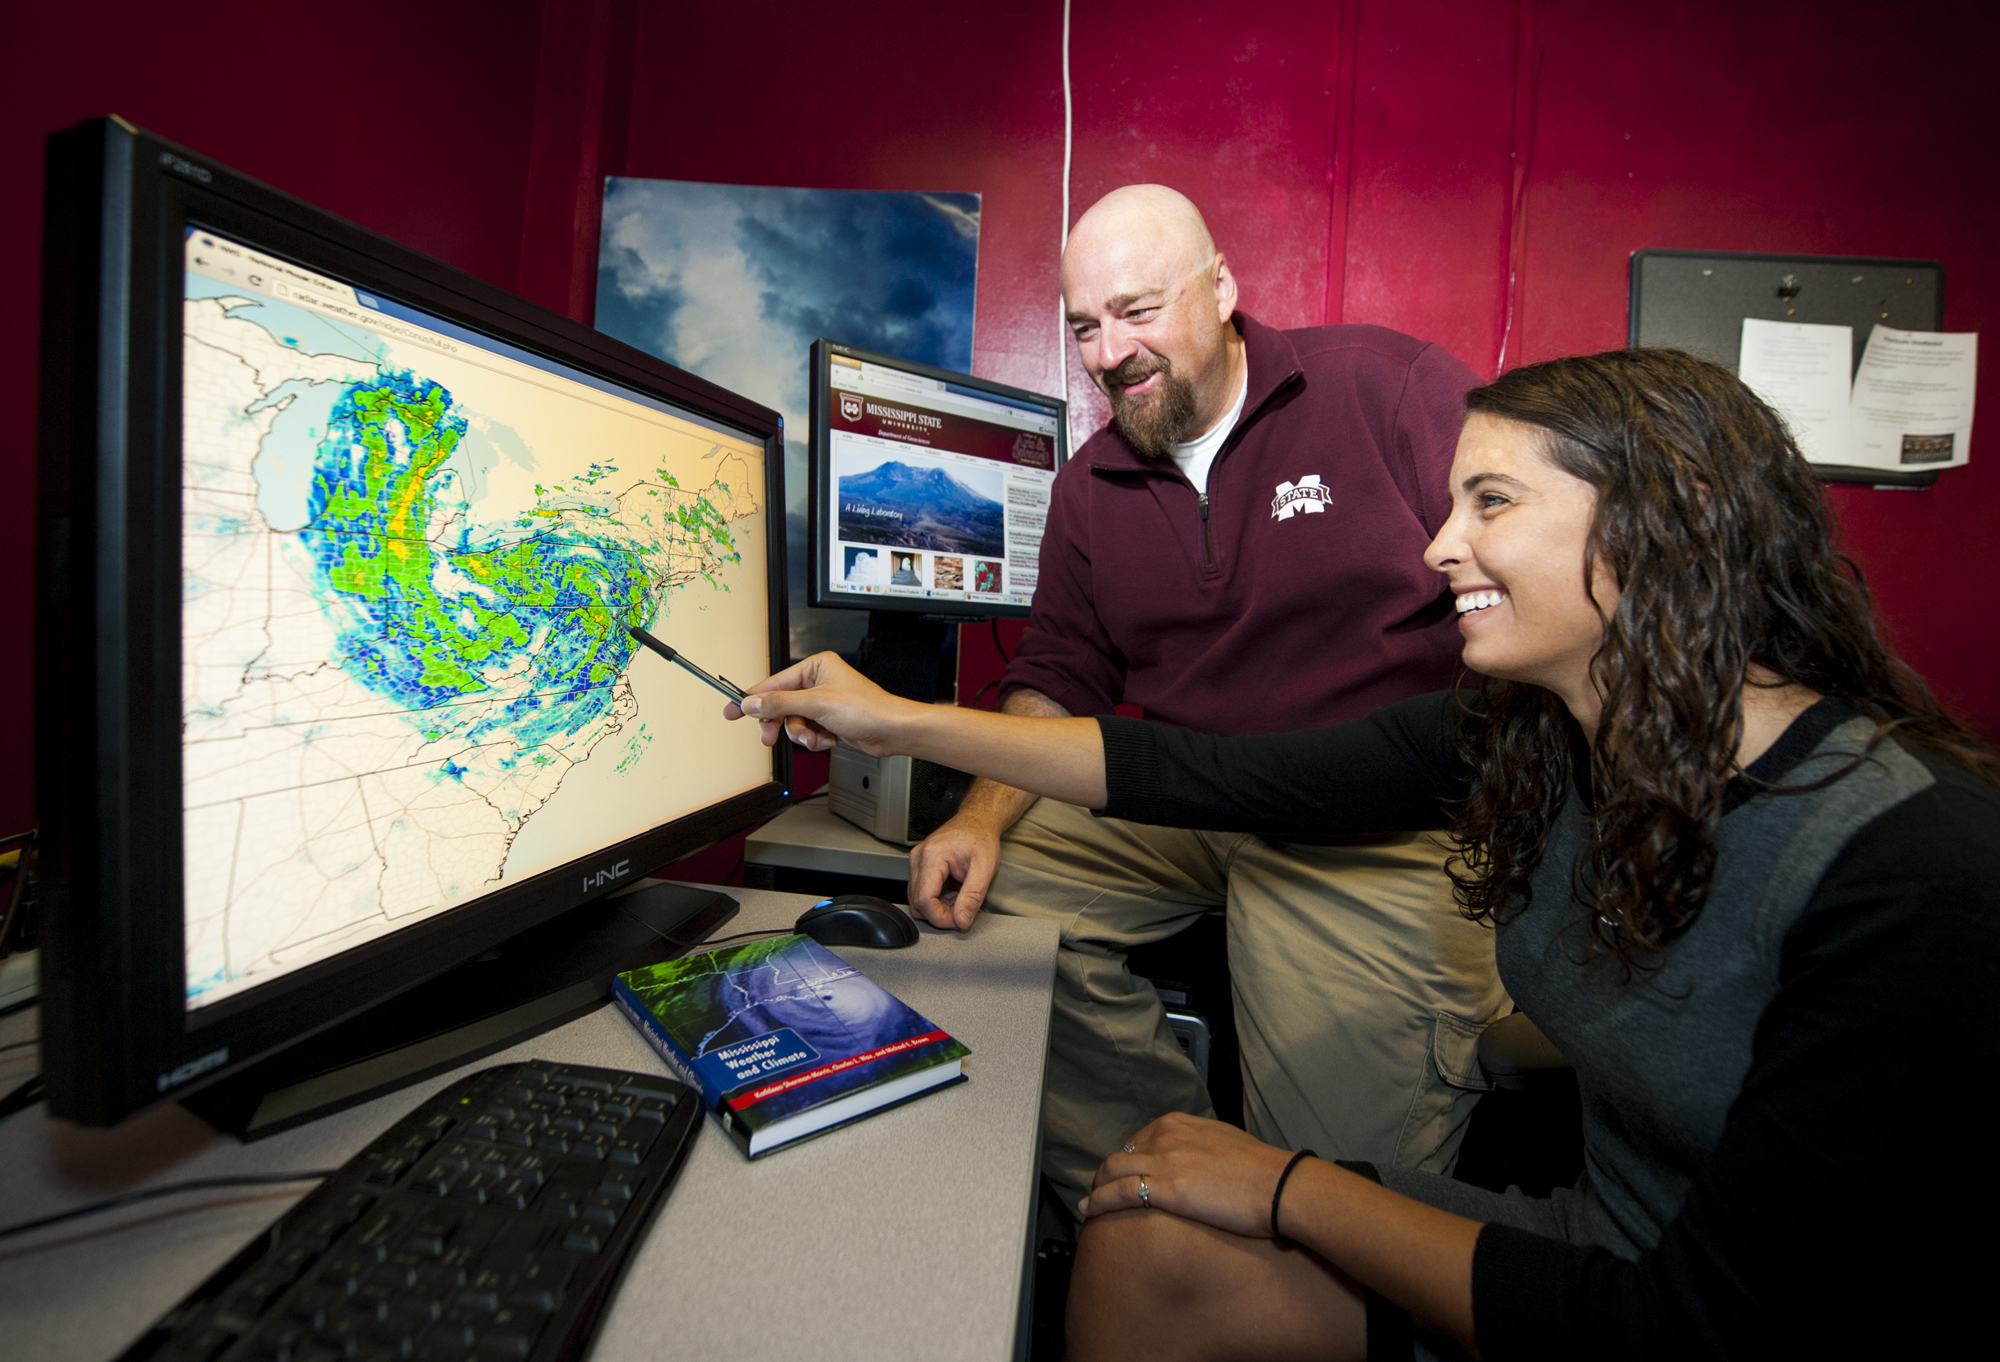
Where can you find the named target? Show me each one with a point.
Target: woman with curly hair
(1744, 872)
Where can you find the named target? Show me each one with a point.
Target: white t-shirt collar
(1196, 455)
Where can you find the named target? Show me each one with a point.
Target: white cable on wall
(1062, 321)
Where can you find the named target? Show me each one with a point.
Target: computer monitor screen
(930, 489)
(410, 555)
(336, 688)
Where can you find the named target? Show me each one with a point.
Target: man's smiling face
(1149, 300)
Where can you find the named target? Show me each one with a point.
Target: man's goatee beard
(1155, 424)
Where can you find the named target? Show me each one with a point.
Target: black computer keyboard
(491, 1223)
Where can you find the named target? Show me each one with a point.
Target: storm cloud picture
(735, 282)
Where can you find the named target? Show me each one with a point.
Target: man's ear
(1225, 287)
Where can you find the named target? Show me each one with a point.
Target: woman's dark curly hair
(1723, 551)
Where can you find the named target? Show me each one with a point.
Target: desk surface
(813, 837)
(903, 1236)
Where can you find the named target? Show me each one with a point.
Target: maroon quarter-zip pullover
(1297, 596)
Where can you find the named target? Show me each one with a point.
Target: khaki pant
(1360, 991)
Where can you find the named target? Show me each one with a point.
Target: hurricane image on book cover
(758, 1014)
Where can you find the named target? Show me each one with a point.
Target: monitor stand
(534, 982)
(904, 653)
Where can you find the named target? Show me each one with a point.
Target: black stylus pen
(721, 683)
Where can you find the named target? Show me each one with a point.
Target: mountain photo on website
(912, 500)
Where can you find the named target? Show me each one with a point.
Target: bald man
(1239, 551)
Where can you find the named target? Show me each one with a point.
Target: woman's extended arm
(822, 700)
(1397, 770)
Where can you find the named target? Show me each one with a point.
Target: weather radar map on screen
(410, 556)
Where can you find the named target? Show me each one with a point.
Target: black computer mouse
(858, 920)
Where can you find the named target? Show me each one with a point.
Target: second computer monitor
(930, 488)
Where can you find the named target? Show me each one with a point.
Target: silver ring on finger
(1128, 1148)
(1145, 1197)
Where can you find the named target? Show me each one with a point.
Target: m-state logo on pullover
(1304, 495)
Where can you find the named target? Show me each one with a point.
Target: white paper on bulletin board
(1912, 402)
(1801, 369)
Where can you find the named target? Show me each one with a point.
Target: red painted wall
(1388, 137)
(898, 95)
(1465, 170)
(1835, 129)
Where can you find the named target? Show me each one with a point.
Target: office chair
(1527, 1131)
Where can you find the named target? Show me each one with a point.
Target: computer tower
(1191, 1033)
(899, 799)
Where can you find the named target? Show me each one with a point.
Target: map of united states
(404, 625)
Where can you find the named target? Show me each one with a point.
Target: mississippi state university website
(938, 490)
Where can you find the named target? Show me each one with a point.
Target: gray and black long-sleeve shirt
(1787, 1123)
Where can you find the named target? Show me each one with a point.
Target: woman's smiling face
(1513, 551)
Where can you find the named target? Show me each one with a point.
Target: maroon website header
(864, 414)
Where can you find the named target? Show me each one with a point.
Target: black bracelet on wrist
(1279, 1191)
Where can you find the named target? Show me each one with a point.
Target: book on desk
(784, 1039)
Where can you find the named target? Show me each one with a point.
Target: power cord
(171, 1189)
(745, 936)
(703, 945)
(1062, 244)
(22, 860)
(23, 1097)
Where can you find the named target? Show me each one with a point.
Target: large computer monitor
(335, 692)
(929, 488)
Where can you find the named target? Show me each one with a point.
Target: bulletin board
(1696, 301)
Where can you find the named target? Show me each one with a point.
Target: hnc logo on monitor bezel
(606, 876)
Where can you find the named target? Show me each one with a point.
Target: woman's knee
(1147, 1256)
(1137, 1282)
(1152, 1285)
